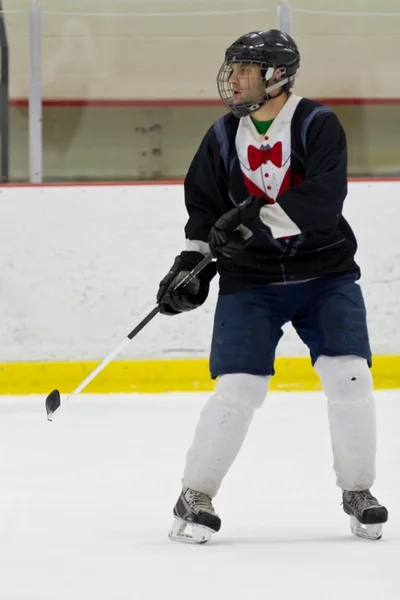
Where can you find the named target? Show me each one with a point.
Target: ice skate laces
(198, 502)
(362, 500)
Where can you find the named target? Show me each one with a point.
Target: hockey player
(264, 194)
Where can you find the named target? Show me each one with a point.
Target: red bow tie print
(258, 157)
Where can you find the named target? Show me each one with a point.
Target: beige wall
(132, 57)
(125, 143)
(178, 57)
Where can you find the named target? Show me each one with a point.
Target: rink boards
(80, 267)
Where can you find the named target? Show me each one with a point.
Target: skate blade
(367, 532)
(189, 533)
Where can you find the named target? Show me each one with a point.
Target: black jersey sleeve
(206, 189)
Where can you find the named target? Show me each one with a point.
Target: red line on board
(158, 183)
(148, 103)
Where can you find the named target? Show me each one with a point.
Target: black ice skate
(195, 518)
(366, 514)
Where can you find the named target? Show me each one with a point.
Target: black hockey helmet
(271, 50)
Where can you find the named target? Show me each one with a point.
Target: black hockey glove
(235, 229)
(189, 296)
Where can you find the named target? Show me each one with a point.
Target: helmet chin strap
(267, 97)
(271, 88)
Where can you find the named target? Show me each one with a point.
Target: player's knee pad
(241, 391)
(345, 379)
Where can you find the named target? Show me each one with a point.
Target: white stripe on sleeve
(280, 224)
(197, 246)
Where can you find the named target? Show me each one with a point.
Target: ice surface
(86, 505)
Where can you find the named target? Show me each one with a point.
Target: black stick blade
(53, 401)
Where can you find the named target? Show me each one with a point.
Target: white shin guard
(347, 383)
(222, 428)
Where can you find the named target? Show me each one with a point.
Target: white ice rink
(86, 504)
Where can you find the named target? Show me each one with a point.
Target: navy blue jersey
(300, 168)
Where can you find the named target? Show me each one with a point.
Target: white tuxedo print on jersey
(265, 159)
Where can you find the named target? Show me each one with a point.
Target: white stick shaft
(149, 316)
(100, 367)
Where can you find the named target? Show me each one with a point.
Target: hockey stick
(53, 400)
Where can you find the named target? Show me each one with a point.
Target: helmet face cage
(256, 93)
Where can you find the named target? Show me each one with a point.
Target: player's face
(247, 83)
